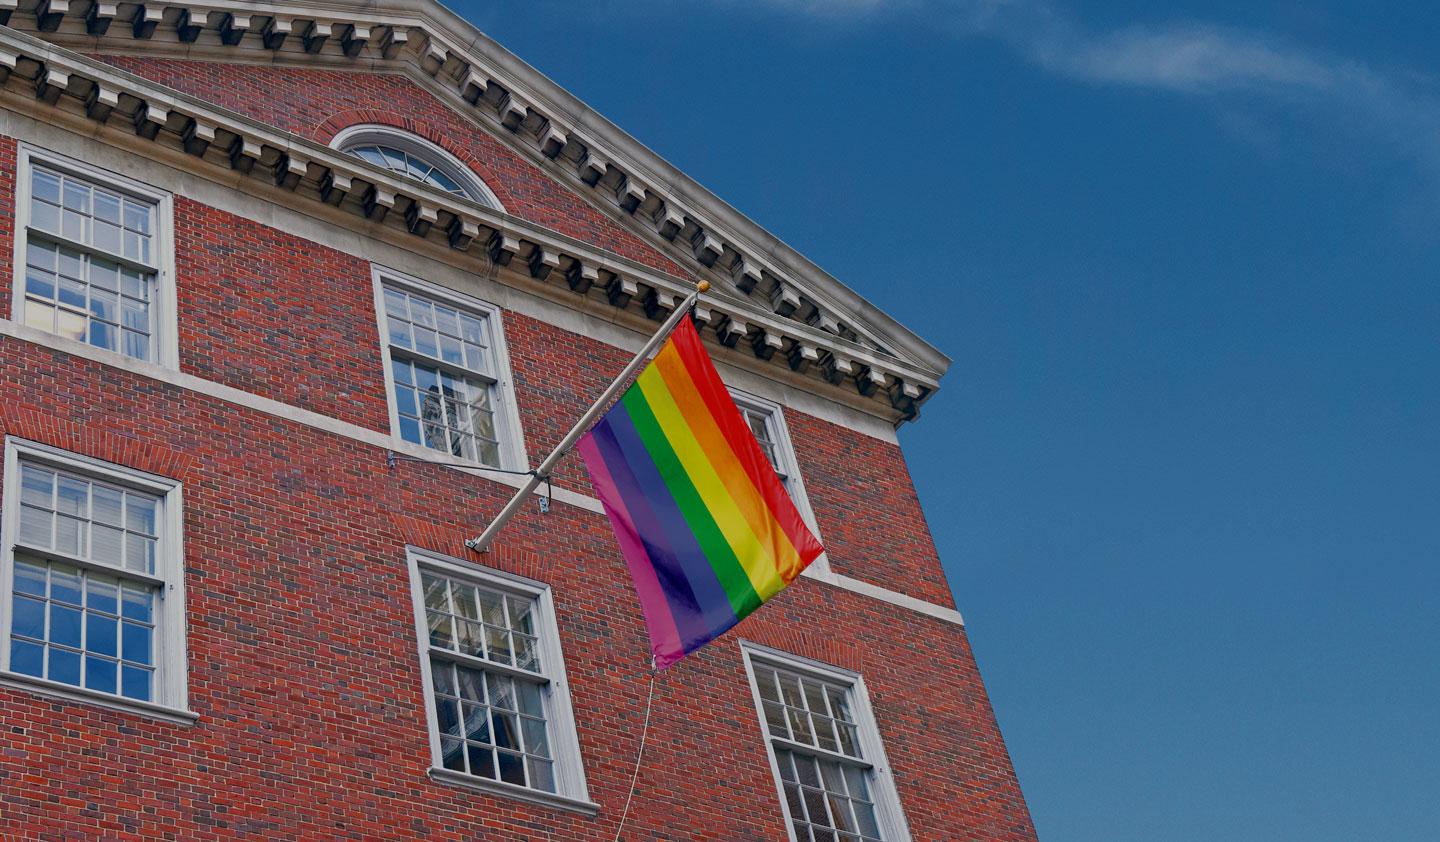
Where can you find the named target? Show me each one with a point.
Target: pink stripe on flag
(664, 636)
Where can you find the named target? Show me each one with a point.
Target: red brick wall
(866, 509)
(286, 318)
(278, 316)
(299, 614)
(317, 104)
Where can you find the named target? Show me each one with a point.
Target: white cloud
(1226, 64)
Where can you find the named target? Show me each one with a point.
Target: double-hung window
(828, 760)
(447, 374)
(500, 715)
(93, 593)
(92, 253)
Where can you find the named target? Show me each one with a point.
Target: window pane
(73, 496)
(64, 625)
(101, 594)
(100, 674)
(135, 682)
(442, 633)
(528, 695)
(107, 544)
(443, 676)
(477, 723)
(492, 608)
(140, 513)
(64, 666)
(100, 634)
(29, 619)
(37, 486)
(527, 656)
(775, 720)
(463, 596)
(452, 754)
(471, 638)
(512, 768)
(36, 527)
(65, 584)
(502, 691)
(136, 640)
(471, 684)
(136, 603)
(542, 774)
(482, 761)
(27, 658)
(45, 185)
(29, 578)
(447, 716)
(534, 733)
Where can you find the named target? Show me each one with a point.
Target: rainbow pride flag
(706, 528)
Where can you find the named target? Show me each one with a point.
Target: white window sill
(70, 693)
(450, 777)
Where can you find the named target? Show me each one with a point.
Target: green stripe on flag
(734, 581)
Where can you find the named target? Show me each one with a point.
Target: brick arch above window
(492, 187)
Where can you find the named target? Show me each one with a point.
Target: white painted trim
(507, 417)
(450, 777)
(164, 319)
(568, 766)
(66, 692)
(448, 40)
(889, 813)
(896, 598)
(183, 108)
(171, 656)
(315, 420)
(365, 133)
(385, 247)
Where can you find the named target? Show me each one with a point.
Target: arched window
(414, 157)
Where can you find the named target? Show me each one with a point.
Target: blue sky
(1185, 471)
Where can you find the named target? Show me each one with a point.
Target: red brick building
(287, 281)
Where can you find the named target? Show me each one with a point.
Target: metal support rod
(542, 473)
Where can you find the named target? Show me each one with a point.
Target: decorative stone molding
(775, 308)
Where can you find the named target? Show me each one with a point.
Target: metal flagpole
(542, 473)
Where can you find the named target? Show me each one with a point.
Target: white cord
(634, 776)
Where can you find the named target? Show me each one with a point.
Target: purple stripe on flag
(664, 634)
(695, 629)
(681, 538)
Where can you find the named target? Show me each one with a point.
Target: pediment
(767, 296)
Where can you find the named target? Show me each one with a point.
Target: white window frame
(374, 133)
(785, 454)
(163, 304)
(507, 416)
(888, 813)
(570, 789)
(171, 691)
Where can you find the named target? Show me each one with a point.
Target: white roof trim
(768, 283)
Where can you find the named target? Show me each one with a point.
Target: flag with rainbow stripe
(706, 527)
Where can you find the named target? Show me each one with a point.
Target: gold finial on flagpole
(703, 286)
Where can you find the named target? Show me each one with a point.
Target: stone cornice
(781, 320)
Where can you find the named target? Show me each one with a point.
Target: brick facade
(303, 666)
